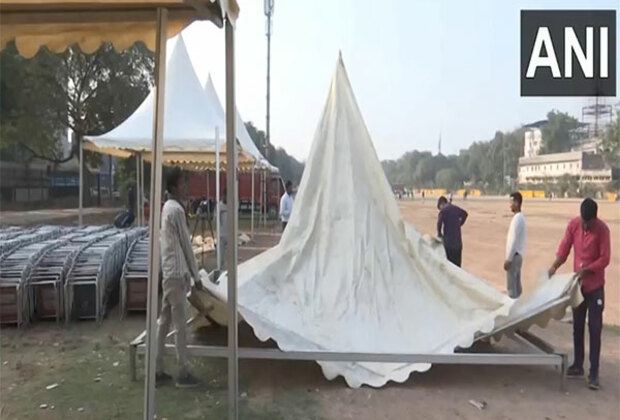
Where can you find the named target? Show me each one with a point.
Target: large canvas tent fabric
(193, 123)
(349, 276)
(54, 24)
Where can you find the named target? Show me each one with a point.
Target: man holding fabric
(178, 268)
(589, 237)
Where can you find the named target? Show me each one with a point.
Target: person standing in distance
(515, 247)
(449, 222)
(178, 266)
(589, 238)
(286, 204)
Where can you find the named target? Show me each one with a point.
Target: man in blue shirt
(449, 223)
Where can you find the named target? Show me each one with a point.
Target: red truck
(202, 186)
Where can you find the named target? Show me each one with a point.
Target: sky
(419, 69)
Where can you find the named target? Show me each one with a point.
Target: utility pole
(268, 6)
(268, 26)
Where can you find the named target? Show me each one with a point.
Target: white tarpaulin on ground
(348, 275)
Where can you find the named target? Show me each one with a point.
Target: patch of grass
(90, 366)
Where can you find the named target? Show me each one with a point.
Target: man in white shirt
(178, 266)
(515, 247)
(286, 204)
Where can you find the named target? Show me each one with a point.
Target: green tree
(610, 143)
(425, 171)
(290, 168)
(90, 94)
(28, 120)
(448, 178)
(556, 133)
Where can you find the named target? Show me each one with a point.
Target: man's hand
(198, 284)
(507, 265)
(551, 271)
(579, 274)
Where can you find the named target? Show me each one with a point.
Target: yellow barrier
(532, 193)
(437, 192)
(611, 196)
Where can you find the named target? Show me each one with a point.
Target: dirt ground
(89, 362)
(484, 239)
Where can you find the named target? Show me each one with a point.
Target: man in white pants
(515, 247)
(178, 268)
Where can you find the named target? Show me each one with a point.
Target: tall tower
(596, 115)
(268, 4)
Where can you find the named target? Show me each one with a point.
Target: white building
(582, 166)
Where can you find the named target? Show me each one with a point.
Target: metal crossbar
(539, 353)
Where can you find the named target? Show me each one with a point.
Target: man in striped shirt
(178, 266)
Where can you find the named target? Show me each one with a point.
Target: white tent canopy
(190, 120)
(345, 277)
(243, 136)
(349, 276)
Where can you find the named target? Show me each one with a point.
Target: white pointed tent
(193, 123)
(243, 136)
(348, 277)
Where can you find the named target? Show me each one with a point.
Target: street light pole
(268, 5)
(268, 14)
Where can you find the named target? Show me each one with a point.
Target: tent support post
(264, 198)
(156, 173)
(233, 209)
(142, 215)
(218, 251)
(81, 181)
(252, 208)
(137, 190)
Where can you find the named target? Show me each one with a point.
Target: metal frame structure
(534, 351)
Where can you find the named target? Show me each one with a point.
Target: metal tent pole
(80, 181)
(264, 209)
(156, 173)
(233, 209)
(217, 198)
(252, 210)
(137, 190)
(142, 215)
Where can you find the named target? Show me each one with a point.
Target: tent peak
(209, 82)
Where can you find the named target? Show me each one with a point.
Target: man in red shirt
(589, 237)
